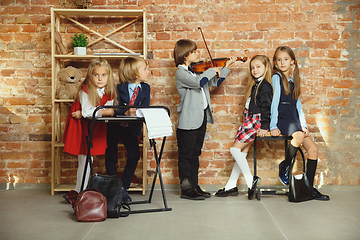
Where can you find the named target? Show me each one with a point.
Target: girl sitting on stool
(287, 116)
(256, 120)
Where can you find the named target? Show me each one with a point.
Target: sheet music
(157, 121)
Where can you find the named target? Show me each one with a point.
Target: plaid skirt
(247, 130)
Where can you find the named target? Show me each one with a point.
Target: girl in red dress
(98, 89)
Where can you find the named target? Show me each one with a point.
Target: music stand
(152, 144)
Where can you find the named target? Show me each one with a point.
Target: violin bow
(202, 35)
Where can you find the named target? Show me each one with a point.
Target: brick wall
(323, 33)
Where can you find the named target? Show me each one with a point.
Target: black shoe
(284, 173)
(192, 194)
(222, 193)
(125, 197)
(319, 196)
(189, 192)
(202, 192)
(252, 191)
(185, 184)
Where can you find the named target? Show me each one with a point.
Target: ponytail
(297, 80)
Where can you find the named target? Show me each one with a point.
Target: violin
(202, 66)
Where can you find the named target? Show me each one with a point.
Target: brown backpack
(91, 206)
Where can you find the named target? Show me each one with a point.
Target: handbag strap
(88, 155)
(127, 208)
(91, 166)
(294, 159)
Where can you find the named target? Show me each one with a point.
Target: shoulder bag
(299, 186)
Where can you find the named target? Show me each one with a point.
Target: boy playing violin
(194, 112)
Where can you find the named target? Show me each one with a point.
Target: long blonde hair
(129, 69)
(110, 88)
(296, 75)
(251, 80)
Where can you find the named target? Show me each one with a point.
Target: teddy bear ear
(79, 75)
(61, 73)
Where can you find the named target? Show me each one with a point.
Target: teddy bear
(69, 79)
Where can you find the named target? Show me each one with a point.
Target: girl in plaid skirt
(256, 120)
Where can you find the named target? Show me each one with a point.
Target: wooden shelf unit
(56, 59)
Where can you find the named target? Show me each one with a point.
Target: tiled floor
(35, 214)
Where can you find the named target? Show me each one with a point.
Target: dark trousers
(114, 132)
(190, 143)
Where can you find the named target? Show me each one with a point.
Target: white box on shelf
(79, 50)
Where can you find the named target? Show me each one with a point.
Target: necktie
(132, 101)
(133, 97)
(190, 69)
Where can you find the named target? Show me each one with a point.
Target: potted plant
(80, 42)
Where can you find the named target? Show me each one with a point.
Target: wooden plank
(114, 31)
(98, 34)
(99, 12)
(89, 57)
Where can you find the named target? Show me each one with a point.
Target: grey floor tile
(34, 214)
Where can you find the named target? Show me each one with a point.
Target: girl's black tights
(310, 165)
(310, 170)
(290, 154)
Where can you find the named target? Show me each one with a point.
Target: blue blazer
(142, 99)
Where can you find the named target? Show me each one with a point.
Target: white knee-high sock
(234, 176)
(80, 172)
(240, 159)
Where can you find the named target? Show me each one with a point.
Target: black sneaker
(284, 173)
(232, 192)
(252, 191)
(125, 197)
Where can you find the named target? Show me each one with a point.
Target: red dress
(76, 131)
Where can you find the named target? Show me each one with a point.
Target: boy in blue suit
(131, 91)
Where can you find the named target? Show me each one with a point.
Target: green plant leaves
(79, 40)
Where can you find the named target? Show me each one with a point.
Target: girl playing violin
(194, 111)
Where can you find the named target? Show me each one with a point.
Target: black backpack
(111, 187)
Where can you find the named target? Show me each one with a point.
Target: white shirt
(247, 105)
(87, 109)
(276, 101)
